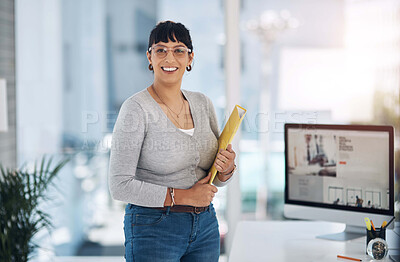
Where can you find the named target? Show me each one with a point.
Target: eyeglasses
(162, 51)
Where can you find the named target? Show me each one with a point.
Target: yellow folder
(228, 133)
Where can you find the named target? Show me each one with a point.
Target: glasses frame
(189, 51)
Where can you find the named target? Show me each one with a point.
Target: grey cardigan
(149, 153)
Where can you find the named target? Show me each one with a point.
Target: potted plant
(21, 192)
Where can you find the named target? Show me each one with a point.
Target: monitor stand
(349, 233)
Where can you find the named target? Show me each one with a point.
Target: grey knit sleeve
(127, 139)
(215, 130)
(213, 118)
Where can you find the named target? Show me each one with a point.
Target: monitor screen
(340, 167)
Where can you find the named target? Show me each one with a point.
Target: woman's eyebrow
(178, 45)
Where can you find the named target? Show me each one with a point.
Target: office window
(86, 57)
(373, 199)
(336, 193)
(307, 62)
(84, 60)
(353, 195)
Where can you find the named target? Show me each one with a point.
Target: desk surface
(293, 241)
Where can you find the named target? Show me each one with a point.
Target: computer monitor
(339, 173)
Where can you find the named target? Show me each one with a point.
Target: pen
(368, 223)
(384, 224)
(390, 221)
(349, 258)
(373, 227)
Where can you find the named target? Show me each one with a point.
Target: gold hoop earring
(150, 67)
(189, 68)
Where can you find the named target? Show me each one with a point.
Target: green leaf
(21, 192)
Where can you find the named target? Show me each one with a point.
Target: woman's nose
(170, 56)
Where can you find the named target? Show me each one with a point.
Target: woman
(164, 142)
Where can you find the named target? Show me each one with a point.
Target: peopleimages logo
(261, 122)
(117, 144)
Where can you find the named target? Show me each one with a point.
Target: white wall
(85, 107)
(8, 143)
(129, 26)
(60, 77)
(39, 78)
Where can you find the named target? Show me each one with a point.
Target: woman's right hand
(202, 193)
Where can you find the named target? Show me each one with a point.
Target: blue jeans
(158, 235)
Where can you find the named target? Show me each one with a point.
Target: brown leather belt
(186, 209)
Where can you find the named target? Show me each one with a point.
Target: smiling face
(169, 70)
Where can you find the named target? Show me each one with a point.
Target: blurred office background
(69, 65)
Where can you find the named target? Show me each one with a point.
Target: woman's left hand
(225, 160)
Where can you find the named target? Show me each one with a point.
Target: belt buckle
(196, 211)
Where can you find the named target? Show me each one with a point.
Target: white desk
(292, 241)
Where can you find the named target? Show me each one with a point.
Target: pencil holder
(377, 233)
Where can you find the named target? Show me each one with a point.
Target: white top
(190, 132)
